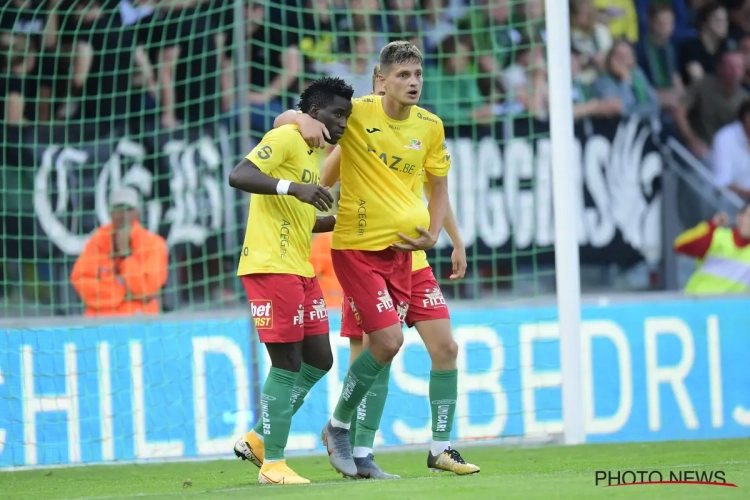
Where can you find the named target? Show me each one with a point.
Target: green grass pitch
(507, 473)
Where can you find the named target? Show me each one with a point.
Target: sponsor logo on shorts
(401, 309)
(299, 319)
(319, 310)
(262, 312)
(433, 298)
(385, 301)
(354, 310)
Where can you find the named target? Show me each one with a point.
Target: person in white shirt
(730, 154)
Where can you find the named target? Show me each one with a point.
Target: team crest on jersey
(415, 144)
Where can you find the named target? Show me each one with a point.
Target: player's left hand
(458, 259)
(424, 242)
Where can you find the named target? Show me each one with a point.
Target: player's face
(404, 83)
(334, 117)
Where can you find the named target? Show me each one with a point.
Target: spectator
(620, 17)
(625, 81)
(450, 89)
(698, 55)
(730, 154)
(590, 38)
(318, 42)
(12, 81)
(657, 57)
(38, 23)
(712, 103)
(363, 15)
(723, 255)
(123, 266)
(530, 15)
(436, 25)
(739, 19)
(102, 64)
(526, 79)
(493, 38)
(584, 105)
(357, 69)
(403, 20)
(189, 64)
(274, 65)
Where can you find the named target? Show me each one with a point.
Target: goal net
(165, 98)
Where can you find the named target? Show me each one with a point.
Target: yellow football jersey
(381, 160)
(279, 228)
(419, 258)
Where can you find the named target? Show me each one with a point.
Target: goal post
(567, 260)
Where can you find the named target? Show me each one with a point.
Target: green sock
(308, 376)
(276, 411)
(443, 395)
(358, 380)
(370, 410)
(353, 429)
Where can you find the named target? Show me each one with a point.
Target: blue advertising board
(659, 370)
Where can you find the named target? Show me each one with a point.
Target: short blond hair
(399, 52)
(375, 73)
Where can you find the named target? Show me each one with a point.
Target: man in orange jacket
(123, 266)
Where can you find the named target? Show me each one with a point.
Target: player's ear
(313, 110)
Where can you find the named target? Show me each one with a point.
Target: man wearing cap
(123, 266)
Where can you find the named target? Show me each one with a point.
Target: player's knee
(322, 360)
(287, 360)
(386, 345)
(449, 350)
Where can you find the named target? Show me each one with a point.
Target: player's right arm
(312, 131)
(331, 172)
(252, 173)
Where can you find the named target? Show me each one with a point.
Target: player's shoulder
(366, 101)
(287, 136)
(428, 118)
(282, 132)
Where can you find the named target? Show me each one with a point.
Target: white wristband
(283, 187)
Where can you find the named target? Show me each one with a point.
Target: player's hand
(312, 194)
(458, 259)
(312, 131)
(424, 242)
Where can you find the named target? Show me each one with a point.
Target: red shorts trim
(286, 308)
(426, 304)
(376, 285)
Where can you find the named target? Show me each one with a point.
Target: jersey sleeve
(438, 160)
(274, 149)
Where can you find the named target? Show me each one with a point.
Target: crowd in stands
(173, 63)
(104, 60)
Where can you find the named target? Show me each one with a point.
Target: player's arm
(437, 164)
(324, 224)
(252, 173)
(331, 172)
(312, 131)
(436, 168)
(458, 256)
